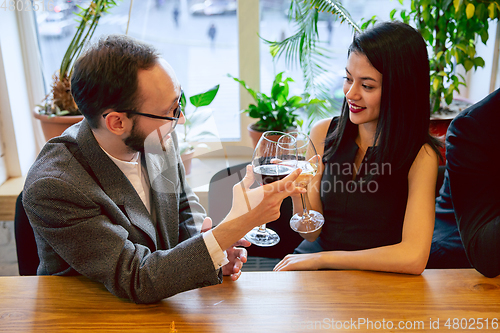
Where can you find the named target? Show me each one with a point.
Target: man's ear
(117, 123)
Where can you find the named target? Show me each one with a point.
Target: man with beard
(108, 199)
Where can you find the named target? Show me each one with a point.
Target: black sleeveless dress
(361, 213)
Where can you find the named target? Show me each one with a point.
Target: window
(198, 38)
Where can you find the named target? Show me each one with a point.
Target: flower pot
(255, 134)
(56, 125)
(186, 160)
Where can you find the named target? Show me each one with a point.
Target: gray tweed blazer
(89, 220)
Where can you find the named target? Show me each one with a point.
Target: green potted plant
(451, 29)
(58, 110)
(276, 112)
(193, 120)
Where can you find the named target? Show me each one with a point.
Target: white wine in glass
(308, 161)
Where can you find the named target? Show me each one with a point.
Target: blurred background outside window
(200, 40)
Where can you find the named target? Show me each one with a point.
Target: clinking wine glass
(274, 157)
(308, 161)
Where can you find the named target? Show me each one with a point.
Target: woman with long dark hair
(376, 183)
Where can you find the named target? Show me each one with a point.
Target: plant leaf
(204, 98)
(303, 47)
(183, 103)
(479, 62)
(250, 90)
(435, 84)
(468, 65)
(469, 11)
(491, 10)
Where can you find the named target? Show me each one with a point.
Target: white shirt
(133, 171)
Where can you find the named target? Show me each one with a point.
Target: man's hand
(253, 207)
(237, 256)
(265, 199)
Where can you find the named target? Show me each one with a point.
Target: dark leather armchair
(27, 254)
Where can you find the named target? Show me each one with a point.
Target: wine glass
(308, 161)
(274, 157)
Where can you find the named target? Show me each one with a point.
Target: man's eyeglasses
(174, 119)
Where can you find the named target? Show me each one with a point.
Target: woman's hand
(299, 262)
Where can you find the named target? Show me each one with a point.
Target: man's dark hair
(105, 76)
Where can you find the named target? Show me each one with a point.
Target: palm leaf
(304, 48)
(336, 8)
(305, 14)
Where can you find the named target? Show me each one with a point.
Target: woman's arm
(411, 254)
(317, 135)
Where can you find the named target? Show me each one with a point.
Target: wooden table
(262, 302)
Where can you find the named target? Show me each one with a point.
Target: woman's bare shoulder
(426, 162)
(319, 132)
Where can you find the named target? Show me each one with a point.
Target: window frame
(19, 91)
(248, 17)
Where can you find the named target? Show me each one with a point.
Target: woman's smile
(355, 108)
